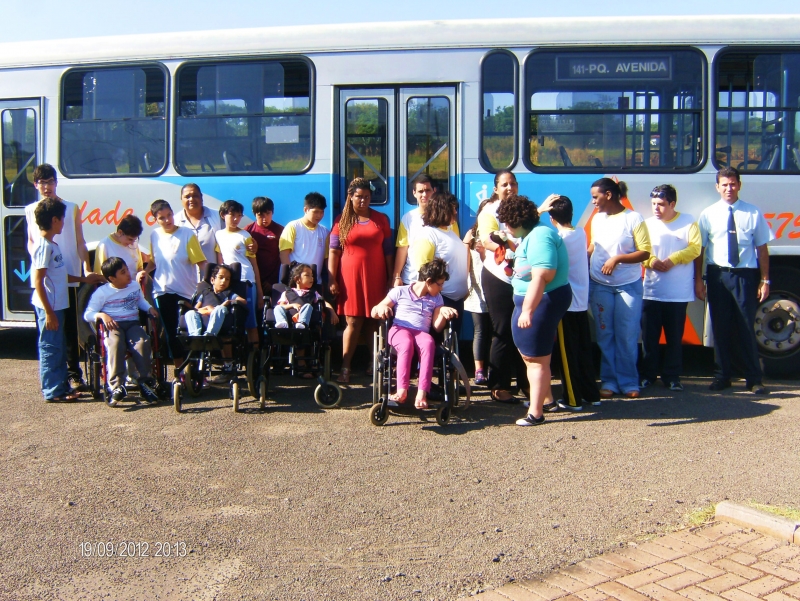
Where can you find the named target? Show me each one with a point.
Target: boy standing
(123, 243)
(76, 260)
(575, 323)
(235, 245)
(51, 299)
(305, 240)
(668, 286)
(267, 235)
(117, 304)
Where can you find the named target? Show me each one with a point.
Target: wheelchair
(91, 337)
(302, 351)
(204, 353)
(447, 371)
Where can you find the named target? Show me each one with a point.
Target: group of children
(176, 263)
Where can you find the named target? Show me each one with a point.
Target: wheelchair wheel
(235, 395)
(379, 340)
(262, 392)
(443, 415)
(251, 372)
(176, 396)
(328, 396)
(378, 415)
(190, 378)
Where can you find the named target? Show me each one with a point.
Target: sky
(53, 19)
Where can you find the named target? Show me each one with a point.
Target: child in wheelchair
(117, 305)
(300, 303)
(415, 308)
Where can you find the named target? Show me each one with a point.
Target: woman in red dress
(359, 263)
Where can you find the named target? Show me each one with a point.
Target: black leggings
(504, 359)
(167, 305)
(482, 337)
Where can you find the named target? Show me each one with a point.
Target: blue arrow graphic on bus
(23, 275)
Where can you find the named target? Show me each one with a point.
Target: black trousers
(458, 306)
(168, 308)
(504, 359)
(671, 317)
(71, 336)
(578, 349)
(732, 302)
(482, 336)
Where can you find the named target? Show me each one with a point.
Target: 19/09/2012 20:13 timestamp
(133, 549)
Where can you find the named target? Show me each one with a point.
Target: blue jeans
(617, 312)
(52, 357)
(194, 321)
(303, 315)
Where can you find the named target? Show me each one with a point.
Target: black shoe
(645, 382)
(529, 420)
(674, 385)
(117, 395)
(718, 385)
(757, 388)
(77, 383)
(147, 390)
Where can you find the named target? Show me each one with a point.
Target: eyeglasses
(656, 193)
(46, 182)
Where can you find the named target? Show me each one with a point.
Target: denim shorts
(538, 339)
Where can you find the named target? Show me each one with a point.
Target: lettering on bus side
(112, 217)
(613, 67)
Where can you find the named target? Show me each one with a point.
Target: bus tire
(777, 325)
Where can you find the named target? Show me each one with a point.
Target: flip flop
(64, 398)
(344, 376)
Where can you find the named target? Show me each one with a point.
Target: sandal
(344, 376)
(64, 398)
(511, 400)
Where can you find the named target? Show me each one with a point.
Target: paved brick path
(720, 561)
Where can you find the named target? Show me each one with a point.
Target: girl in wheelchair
(415, 308)
(299, 301)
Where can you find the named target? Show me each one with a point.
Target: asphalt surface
(300, 503)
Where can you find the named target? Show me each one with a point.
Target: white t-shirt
(575, 241)
(410, 226)
(66, 240)
(668, 239)
(475, 303)
(175, 256)
(613, 235)
(121, 304)
(307, 246)
(47, 255)
(233, 247)
(108, 247)
(435, 242)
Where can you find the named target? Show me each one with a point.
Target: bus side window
(113, 121)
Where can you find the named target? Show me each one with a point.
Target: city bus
(280, 112)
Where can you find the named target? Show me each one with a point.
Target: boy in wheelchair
(416, 307)
(117, 305)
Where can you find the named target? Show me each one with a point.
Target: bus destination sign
(613, 67)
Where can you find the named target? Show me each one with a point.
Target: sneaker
(645, 382)
(299, 326)
(480, 378)
(529, 420)
(675, 385)
(77, 383)
(147, 390)
(550, 407)
(117, 395)
(567, 407)
(225, 376)
(281, 326)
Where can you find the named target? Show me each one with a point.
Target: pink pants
(404, 342)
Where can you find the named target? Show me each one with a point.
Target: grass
(700, 516)
(781, 510)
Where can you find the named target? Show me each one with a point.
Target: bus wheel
(777, 324)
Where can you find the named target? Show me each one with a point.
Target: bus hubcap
(778, 326)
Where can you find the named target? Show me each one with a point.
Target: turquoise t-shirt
(542, 248)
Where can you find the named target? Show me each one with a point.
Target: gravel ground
(300, 503)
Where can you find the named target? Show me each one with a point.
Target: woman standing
(542, 296)
(437, 240)
(476, 303)
(359, 264)
(499, 295)
(204, 222)
(619, 244)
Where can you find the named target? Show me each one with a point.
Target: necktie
(733, 242)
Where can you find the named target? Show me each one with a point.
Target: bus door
(21, 136)
(389, 136)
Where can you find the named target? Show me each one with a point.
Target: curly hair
(518, 211)
(349, 217)
(434, 270)
(439, 210)
(297, 271)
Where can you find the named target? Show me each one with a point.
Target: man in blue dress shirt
(734, 236)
